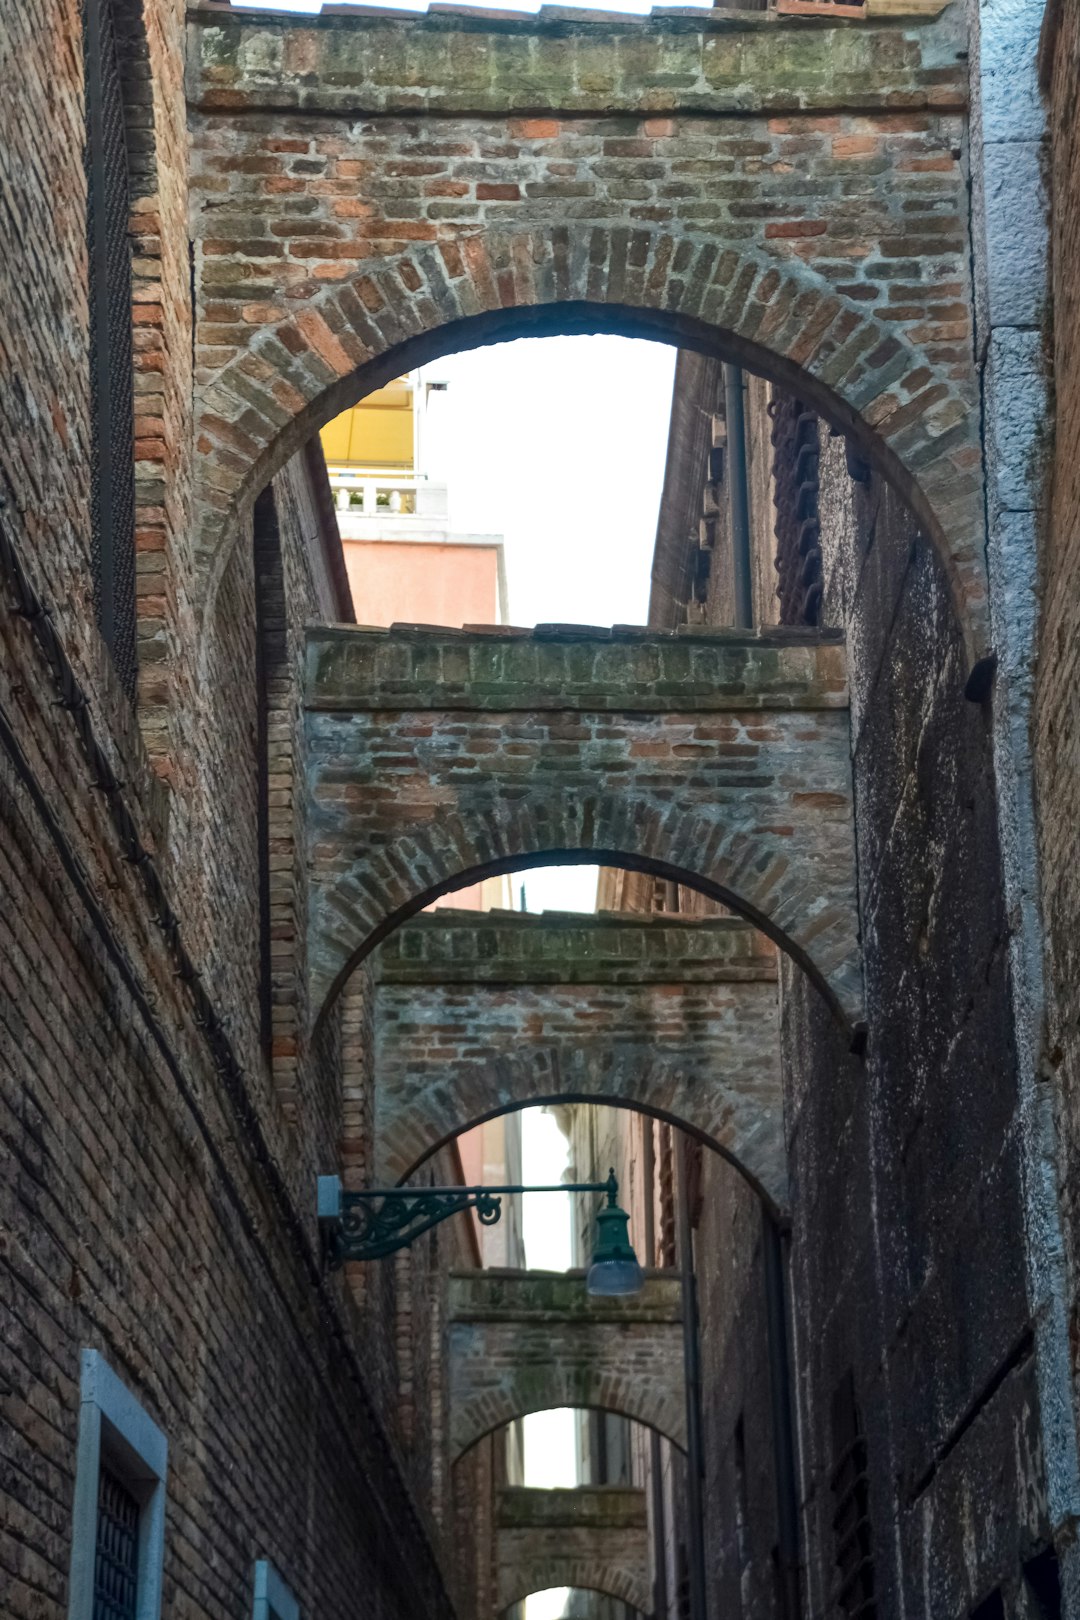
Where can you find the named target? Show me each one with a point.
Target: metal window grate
(852, 1530)
(112, 489)
(116, 1551)
(795, 496)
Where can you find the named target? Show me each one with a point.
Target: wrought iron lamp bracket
(371, 1224)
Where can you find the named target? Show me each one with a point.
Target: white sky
(558, 444)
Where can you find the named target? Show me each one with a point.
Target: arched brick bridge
(478, 1014)
(594, 1538)
(786, 191)
(530, 1341)
(720, 758)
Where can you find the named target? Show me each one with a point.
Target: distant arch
(481, 1427)
(769, 1187)
(581, 1602)
(581, 1572)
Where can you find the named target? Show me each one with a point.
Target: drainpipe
(656, 1460)
(695, 1451)
(738, 496)
(783, 1429)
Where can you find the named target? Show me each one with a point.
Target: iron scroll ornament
(371, 1228)
(371, 1224)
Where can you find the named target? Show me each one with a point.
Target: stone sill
(552, 17)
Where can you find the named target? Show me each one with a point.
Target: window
(118, 1533)
(273, 1599)
(112, 476)
(795, 496)
(852, 1530)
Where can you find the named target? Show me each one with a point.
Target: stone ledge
(410, 669)
(614, 948)
(480, 61)
(498, 1295)
(601, 1507)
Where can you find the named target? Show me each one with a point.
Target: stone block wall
(921, 1137)
(1057, 708)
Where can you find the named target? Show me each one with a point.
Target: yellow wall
(376, 433)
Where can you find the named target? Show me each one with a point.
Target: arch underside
(580, 1601)
(580, 1573)
(651, 1401)
(912, 418)
(733, 1107)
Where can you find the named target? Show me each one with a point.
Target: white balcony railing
(360, 493)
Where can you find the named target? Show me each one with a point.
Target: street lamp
(377, 1221)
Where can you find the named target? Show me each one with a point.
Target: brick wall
(741, 1534)
(925, 1242)
(158, 1203)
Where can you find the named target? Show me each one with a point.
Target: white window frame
(115, 1430)
(273, 1598)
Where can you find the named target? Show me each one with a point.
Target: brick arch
(874, 380)
(581, 1603)
(834, 971)
(661, 1411)
(718, 761)
(758, 1159)
(740, 1123)
(531, 1341)
(582, 1574)
(477, 1015)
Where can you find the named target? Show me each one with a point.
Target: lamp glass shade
(615, 1269)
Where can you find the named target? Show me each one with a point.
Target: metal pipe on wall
(783, 1428)
(695, 1448)
(656, 1459)
(738, 496)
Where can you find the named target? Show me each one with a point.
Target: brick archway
(721, 760)
(522, 1342)
(790, 198)
(594, 1537)
(934, 477)
(477, 1015)
(582, 1575)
